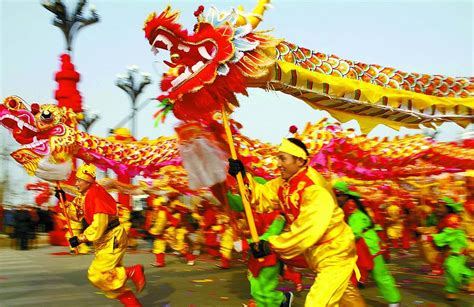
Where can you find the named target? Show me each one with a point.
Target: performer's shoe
(137, 274)
(299, 287)
(160, 260)
(225, 264)
(288, 299)
(190, 259)
(251, 303)
(129, 299)
(436, 272)
(451, 296)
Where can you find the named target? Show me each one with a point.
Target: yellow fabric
(181, 245)
(159, 201)
(352, 297)
(159, 246)
(75, 214)
(370, 93)
(469, 173)
(395, 223)
(318, 232)
(97, 228)
(292, 149)
(159, 223)
(227, 243)
(468, 226)
(106, 271)
(86, 172)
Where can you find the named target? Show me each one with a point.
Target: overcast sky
(434, 37)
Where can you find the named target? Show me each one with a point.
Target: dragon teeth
(183, 47)
(196, 67)
(204, 53)
(164, 40)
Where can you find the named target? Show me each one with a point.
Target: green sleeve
(441, 239)
(275, 229)
(358, 221)
(235, 202)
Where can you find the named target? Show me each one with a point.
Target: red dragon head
(43, 130)
(209, 66)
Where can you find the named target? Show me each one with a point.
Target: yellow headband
(292, 149)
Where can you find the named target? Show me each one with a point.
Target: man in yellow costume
(109, 238)
(170, 229)
(316, 224)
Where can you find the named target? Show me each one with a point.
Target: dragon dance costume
(360, 224)
(452, 236)
(316, 228)
(109, 238)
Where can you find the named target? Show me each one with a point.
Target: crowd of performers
(343, 233)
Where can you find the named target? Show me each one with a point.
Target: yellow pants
(106, 271)
(333, 262)
(227, 243)
(352, 297)
(174, 237)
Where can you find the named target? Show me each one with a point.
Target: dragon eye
(46, 116)
(175, 57)
(13, 104)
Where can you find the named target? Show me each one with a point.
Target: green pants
(385, 281)
(456, 273)
(262, 288)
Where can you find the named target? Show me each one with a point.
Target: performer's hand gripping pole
(240, 181)
(66, 216)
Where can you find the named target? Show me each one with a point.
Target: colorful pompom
(199, 11)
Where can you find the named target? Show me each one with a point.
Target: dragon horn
(255, 17)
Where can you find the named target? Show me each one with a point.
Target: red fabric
(209, 218)
(290, 209)
(298, 262)
(406, 238)
(97, 200)
(255, 265)
(290, 274)
(365, 261)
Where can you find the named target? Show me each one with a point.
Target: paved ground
(47, 276)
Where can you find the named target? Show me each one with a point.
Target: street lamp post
(70, 24)
(133, 85)
(89, 118)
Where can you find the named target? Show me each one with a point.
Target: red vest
(290, 195)
(97, 200)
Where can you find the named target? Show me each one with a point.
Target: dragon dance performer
(106, 271)
(169, 229)
(452, 236)
(316, 227)
(364, 230)
(395, 224)
(161, 219)
(263, 273)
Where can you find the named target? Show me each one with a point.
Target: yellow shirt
(310, 208)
